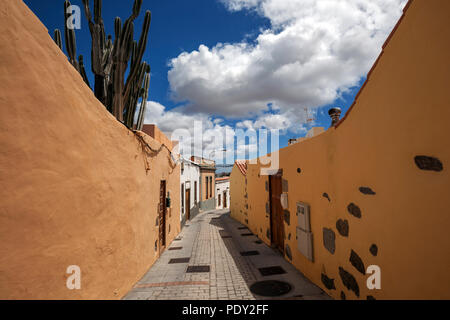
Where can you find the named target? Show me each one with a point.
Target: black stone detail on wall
(367, 190)
(327, 282)
(246, 206)
(349, 281)
(329, 238)
(357, 262)
(285, 185)
(169, 227)
(326, 196)
(267, 185)
(342, 227)
(156, 245)
(157, 221)
(289, 236)
(287, 217)
(371, 298)
(428, 163)
(246, 221)
(343, 295)
(299, 170)
(354, 210)
(268, 233)
(267, 207)
(373, 250)
(288, 252)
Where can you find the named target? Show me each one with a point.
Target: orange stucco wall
(76, 186)
(402, 112)
(154, 132)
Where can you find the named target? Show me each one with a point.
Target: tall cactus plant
(83, 71)
(140, 120)
(71, 42)
(111, 59)
(57, 38)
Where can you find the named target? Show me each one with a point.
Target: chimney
(335, 114)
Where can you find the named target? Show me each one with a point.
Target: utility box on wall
(284, 201)
(305, 243)
(303, 216)
(304, 234)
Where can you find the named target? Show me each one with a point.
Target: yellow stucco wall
(238, 198)
(402, 112)
(77, 187)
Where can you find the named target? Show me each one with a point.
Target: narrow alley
(217, 258)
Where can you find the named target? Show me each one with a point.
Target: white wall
(189, 175)
(221, 187)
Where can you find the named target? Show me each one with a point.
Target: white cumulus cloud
(313, 50)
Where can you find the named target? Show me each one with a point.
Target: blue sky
(224, 61)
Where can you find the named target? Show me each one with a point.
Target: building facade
(189, 190)
(369, 196)
(93, 194)
(207, 183)
(223, 193)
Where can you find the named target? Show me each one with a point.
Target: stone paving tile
(231, 274)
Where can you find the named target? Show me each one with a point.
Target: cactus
(122, 51)
(139, 54)
(83, 71)
(100, 54)
(58, 39)
(136, 93)
(71, 43)
(110, 60)
(140, 120)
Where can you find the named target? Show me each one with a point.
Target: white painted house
(223, 193)
(190, 190)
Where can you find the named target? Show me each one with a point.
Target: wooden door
(188, 204)
(276, 212)
(225, 199)
(162, 216)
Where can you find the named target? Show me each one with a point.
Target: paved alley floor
(205, 263)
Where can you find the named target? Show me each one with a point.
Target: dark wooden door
(188, 204)
(162, 215)
(276, 212)
(225, 199)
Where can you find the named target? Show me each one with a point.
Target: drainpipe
(335, 114)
